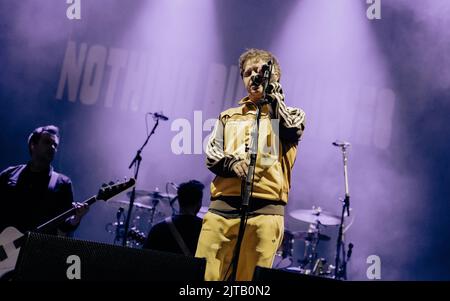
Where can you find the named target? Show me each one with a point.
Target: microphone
(340, 143)
(159, 116)
(259, 78)
(349, 252)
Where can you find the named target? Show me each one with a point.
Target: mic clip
(159, 115)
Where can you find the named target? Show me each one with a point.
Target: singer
(228, 157)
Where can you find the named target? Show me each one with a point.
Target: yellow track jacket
(230, 142)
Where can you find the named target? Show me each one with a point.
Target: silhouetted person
(179, 233)
(33, 193)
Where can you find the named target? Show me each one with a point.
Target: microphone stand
(341, 269)
(136, 163)
(247, 185)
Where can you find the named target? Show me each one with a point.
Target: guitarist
(33, 193)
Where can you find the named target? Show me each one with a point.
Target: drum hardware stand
(119, 226)
(174, 199)
(137, 163)
(116, 227)
(247, 185)
(155, 203)
(318, 269)
(340, 268)
(311, 246)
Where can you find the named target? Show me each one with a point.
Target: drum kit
(149, 208)
(310, 263)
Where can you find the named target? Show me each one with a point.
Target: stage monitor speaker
(266, 274)
(55, 258)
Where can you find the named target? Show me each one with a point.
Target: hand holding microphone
(263, 74)
(274, 92)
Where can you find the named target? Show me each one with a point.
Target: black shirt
(160, 237)
(27, 201)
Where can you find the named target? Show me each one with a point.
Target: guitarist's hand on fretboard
(80, 210)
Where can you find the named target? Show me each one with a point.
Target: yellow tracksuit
(229, 143)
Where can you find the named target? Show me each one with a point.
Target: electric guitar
(11, 239)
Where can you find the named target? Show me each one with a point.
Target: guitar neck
(63, 216)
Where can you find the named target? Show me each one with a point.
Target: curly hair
(258, 54)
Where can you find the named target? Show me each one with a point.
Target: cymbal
(139, 193)
(135, 204)
(305, 235)
(315, 216)
(152, 194)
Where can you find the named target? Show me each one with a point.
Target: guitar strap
(53, 179)
(176, 234)
(51, 188)
(17, 173)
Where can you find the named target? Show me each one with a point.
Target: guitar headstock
(112, 189)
